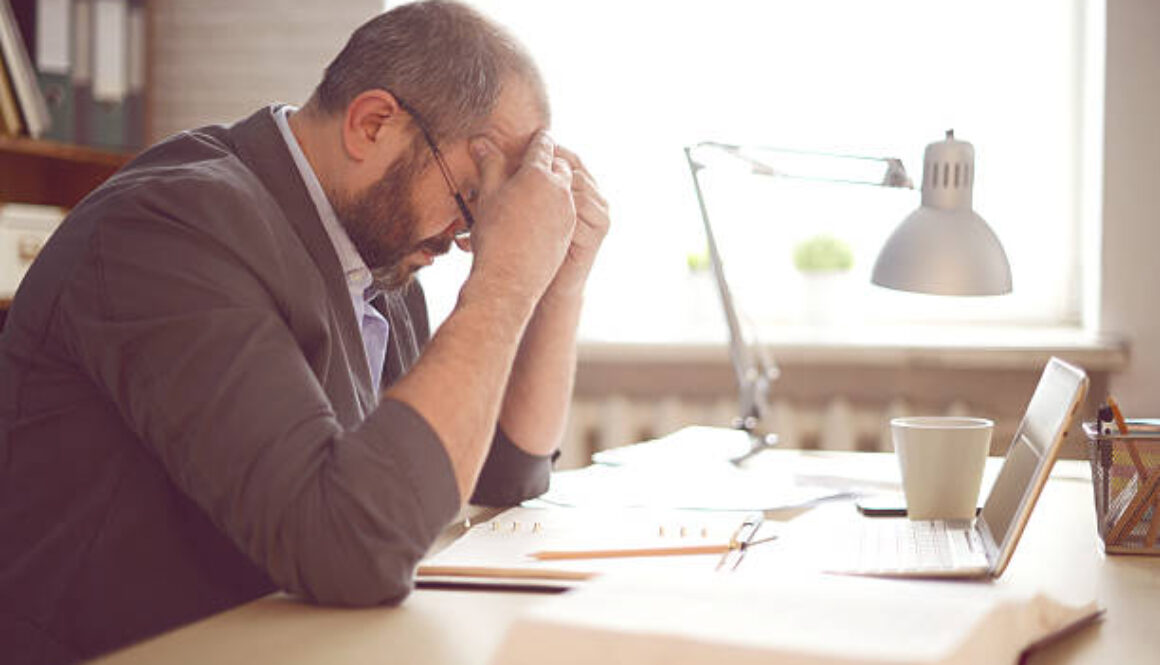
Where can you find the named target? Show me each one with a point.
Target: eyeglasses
(468, 219)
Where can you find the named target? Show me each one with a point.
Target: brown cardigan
(186, 416)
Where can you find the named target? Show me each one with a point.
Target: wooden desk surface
(1059, 552)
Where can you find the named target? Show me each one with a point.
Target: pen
(1122, 426)
(742, 538)
(1104, 420)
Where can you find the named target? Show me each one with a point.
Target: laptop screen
(1033, 451)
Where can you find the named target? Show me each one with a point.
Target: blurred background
(1058, 97)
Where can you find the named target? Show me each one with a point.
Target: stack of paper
(689, 469)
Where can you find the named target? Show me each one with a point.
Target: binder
(21, 75)
(54, 66)
(82, 71)
(110, 72)
(10, 122)
(136, 58)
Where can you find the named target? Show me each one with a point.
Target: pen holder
(1126, 484)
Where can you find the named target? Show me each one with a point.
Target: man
(211, 384)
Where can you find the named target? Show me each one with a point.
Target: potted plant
(824, 262)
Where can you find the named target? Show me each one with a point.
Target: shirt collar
(357, 275)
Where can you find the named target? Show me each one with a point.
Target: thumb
(490, 162)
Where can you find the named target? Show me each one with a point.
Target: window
(633, 82)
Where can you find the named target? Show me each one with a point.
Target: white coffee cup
(942, 459)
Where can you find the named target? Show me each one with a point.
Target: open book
(814, 620)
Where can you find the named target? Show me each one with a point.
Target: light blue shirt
(374, 326)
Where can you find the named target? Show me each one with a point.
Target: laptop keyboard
(902, 546)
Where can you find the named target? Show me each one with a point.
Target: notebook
(981, 547)
(511, 550)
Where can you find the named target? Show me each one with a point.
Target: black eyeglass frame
(468, 218)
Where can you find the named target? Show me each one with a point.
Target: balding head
(441, 58)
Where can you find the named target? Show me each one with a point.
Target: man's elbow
(367, 595)
(385, 580)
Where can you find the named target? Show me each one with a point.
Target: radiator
(837, 424)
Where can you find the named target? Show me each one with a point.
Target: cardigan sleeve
(511, 475)
(193, 343)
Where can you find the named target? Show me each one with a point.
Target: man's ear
(374, 120)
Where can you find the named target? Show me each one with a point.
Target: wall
(219, 60)
(1131, 211)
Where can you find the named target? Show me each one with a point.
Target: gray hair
(441, 58)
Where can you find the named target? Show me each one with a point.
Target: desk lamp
(754, 371)
(944, 247)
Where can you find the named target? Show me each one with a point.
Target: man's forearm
(535, 407)
(458, 383)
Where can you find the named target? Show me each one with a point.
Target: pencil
(1147, 483)
(555, 555)
(1121, 424)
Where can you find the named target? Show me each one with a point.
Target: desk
(1059, 550)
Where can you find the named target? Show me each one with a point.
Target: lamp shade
(944, 247)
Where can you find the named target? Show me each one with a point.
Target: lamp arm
(755, 373)
(753, 380)
(843, 169)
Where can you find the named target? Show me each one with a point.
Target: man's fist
(526, 221)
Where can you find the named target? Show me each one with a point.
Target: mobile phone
(882, 505)
(885, 505)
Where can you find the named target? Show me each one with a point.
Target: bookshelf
(100, 38)
(50, 173)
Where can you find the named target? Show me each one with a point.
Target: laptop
(981, 547)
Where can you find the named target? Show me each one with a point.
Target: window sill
(882, 346)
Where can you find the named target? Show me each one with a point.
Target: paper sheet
(716, 487)
(689, 446)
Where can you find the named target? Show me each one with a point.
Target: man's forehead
(518, 114)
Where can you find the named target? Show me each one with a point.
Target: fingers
(527, 215)
(572, 158)
(490, 162)
(563, 169)
(541, 152)
(582, 180)
(590, 204)
(584, 187)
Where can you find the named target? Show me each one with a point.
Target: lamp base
(758, 444)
